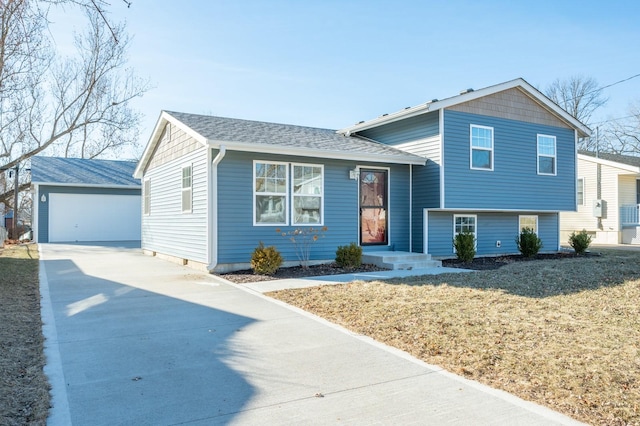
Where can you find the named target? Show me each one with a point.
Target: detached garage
(78, 200)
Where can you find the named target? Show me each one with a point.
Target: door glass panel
(373, 207)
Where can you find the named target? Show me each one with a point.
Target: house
(608, 196)
(491, 162)
(77, 199)
(214, 187)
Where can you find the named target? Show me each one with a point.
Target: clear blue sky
(331, 63)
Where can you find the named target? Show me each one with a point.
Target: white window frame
(578, 192)
(294, 196)
(480, 148)
(527, 216)
(146, 197)
(554, 156)
(284, 194)
(184, 190)
(475, 232)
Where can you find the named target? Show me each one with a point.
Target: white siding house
(607, 199)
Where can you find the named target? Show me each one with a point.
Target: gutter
(212, 210)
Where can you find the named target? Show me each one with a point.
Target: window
(146, 197)
(580, 192)
(307, 190)
(186, 188)
(273, 190)
(270, 193)
(530, 222)
(481, 147)
(546, 155)
(465, 223)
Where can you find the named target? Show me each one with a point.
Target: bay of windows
(288, 193)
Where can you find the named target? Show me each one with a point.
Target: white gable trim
(610, 163)
(164, 118)
(520, 83)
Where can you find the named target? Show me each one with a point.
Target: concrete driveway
(133, 339)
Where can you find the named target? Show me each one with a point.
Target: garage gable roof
(83, 172)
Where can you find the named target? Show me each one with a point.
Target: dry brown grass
(24, 390)
(561, 333)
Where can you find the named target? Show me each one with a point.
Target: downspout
(35, 211)
(212, 209)
(410, 208)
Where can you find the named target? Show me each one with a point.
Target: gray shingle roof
(81, 171)
(283, 135)
(629, 160)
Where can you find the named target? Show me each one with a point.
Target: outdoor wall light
(43, 198)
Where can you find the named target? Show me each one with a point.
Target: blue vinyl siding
(238, 237)
(514, 183)
(414, 128)
(43, 208)
(491, 227)
(426, 194)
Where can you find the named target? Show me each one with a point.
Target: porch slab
(400, 260)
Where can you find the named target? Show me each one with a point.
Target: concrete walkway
(135, 340)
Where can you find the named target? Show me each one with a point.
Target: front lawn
(563, 333)
(24, 390)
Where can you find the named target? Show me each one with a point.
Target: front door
(373, 207)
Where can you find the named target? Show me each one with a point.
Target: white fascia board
(610, 163)
(470, 96)
(472, 210)
(164, 118)
(84, 185)
(305, 152)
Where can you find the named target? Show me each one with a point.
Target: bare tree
(622, 136)
(578, 95)
(79, 105)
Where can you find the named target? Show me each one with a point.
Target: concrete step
(400, 260)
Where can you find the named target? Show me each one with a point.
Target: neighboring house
(608, 198)
(77, 199)
(490, 161)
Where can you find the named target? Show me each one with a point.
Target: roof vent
(432, 100)
(407, 107)
(469, 90)
(384, 115)
(360, 122)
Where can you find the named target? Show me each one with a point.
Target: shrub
(265, 260)
(303, 239)
(465, 245)
(580, 241)
(349, 256)
(528, 242)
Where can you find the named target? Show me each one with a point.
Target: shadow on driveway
(132, 356)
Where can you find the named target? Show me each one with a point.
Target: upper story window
(580, 192)
(307, 190)
(270, 193)
(546, 155)
(481, 147)
(530, 222)
(187, 191)
(146, 197)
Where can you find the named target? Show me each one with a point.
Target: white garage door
(93, 217)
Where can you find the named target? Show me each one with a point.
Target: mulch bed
(247, 275)
(495, 262)
(478, 264)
